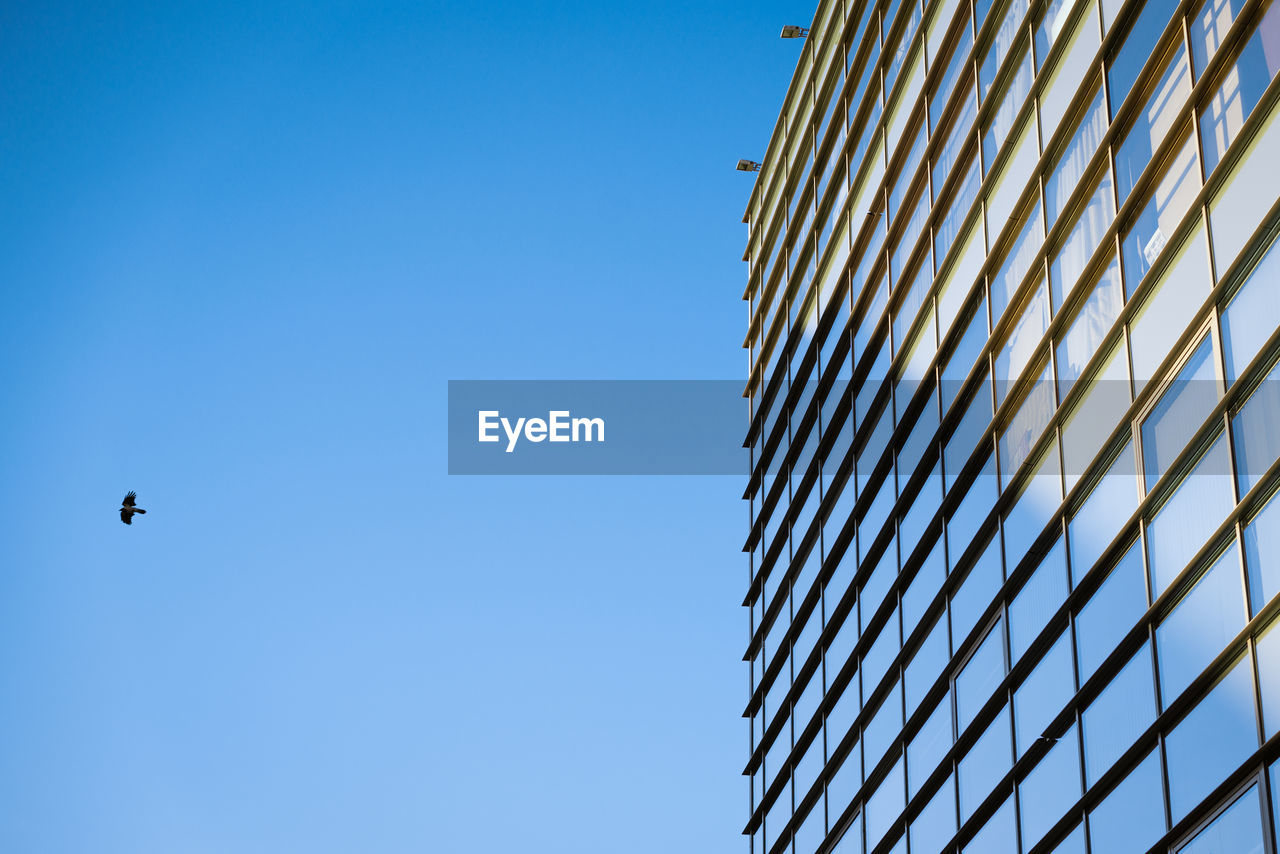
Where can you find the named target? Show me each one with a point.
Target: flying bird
(127, 508)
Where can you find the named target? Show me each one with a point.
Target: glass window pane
(875, 664)
(1011, 101)
(884, 726)
(953, 377)
(1073, 67)
(981, 674)
(1262, 555)
(961, 203)
(1148, 233)
(1050, 789)
(1222, 117)
(1053, 20)
(1212, 740)
(1027, 425)
(1099, 519)
(1249, 318)
(1135, 50)
(1022, 340)
(1095, 415)
(1199, 504)
(1208, 25)
(955, 64)
(1169, 307)
(1017, 262)
(885, 805)
(998, 835)
(1017, 169)
(958, 281)
(933, 828)
(963, 525)
(1154, 120)
(851, 840)
(1093, 321)
(927, 664)
(875, 588)
(1113, 609)
(1038, 600)
(1074, 159)
(1071, 258)
(1121, 713)
(1246, 195)
(1007, 32)
(1257, 444)
(1238, 830)
(1039, 500)
(1269, 678)
(1043, 694)
(1073, 844)
(1181, 410)
(1201, 625)
(1131, 818)
(920, 592)
(929, 745)
(957, 133)
(976, 592)
(984, 765)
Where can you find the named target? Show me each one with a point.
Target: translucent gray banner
(698, 426)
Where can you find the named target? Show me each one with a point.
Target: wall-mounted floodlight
(748, 166)
(791, 31)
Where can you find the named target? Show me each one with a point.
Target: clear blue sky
(243, 247)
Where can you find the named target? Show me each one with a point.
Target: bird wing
(129, 499)
(126, 517)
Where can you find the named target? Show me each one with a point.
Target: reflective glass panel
(1181, 410)
(1212, 740)
(985, 763)
(998, 835)
(1092, 322)
(885, 805)
(1124, 709)
(1111, 611)
(1022, 340)
(1198, 505)
(1249, 318)
(1099, 519)
(1043, 694)
(1200, 626)
(1240, 90)
(1262, 555)
(1052, 786)
(933, 828)
(1246, 195)
(929, 745)
(1269, 678)
(1131, 818)
(1146, 236)
(1038, 600)
(981, 674)
(1153, 122)
(1237, 830)
(1168, 307)
(1257, 443)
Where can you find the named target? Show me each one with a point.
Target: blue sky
(243, 247)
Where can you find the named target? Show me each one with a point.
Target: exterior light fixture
(791, 31)
(748, 166)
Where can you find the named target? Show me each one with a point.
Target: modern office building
(1014, 387)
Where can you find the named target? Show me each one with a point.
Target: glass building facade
(1014, 390)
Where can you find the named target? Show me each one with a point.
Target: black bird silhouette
(127, 508)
